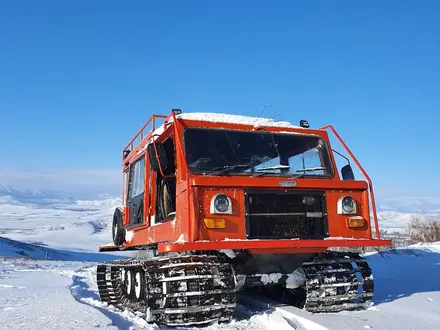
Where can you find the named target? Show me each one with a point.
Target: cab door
(135, 197)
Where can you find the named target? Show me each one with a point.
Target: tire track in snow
(290, 314)
(82, 293)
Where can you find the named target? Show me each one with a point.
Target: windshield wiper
(312, 169)
(273, 168)
(261, 171)
(300, 171)
(227, 168)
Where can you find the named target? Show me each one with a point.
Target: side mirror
(347, 173)
(159, 162)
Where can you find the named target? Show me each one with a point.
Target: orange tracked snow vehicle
(226, 203)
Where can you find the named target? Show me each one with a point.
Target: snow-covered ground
(407, 294)
(60, 223)
(61, 292)
(63, 295)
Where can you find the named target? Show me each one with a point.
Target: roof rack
(137, 139)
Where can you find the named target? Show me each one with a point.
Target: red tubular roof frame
(130, 146)
(370, 184)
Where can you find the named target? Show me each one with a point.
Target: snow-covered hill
(396, 214)
(14, 195)
(415, 205)
(39, 197)
(51, 219)
(395, 222)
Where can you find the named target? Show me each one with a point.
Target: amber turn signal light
(214, 223)
(355, 222)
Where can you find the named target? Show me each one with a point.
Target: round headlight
(348, 205)
(221, 203)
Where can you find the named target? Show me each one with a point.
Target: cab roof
(234, 119)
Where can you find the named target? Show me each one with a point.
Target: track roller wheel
(129, 282)
(139, 284)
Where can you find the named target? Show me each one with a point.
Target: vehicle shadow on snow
(404, 273)
(13, 248)
(82, 293)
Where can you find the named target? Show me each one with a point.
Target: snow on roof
(234, 119)
(220, 118)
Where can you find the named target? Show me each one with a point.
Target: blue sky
(78, 78)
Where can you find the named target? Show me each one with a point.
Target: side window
(166, 186)
(125, 178)
(170, 154)
(136, 184)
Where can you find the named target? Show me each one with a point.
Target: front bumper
(271, 244)
(259, 244)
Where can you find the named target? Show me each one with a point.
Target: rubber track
(176, 291)
(337, 282)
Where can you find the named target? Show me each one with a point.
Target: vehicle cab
(220, 178)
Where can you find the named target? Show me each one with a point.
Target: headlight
(221, 203)
(346, 205)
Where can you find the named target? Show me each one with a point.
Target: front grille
(285, 214)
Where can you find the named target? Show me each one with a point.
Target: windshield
(228, 152)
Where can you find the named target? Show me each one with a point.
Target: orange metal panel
(143, 235)
(182, 221)
(235, 223)
(126, 216)
(274, 182)
(337, 223)
(370, 184)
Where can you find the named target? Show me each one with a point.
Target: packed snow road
(63, 295)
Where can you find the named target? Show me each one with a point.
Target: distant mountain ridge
(417, 205)
(18, 195)
(33, 196)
